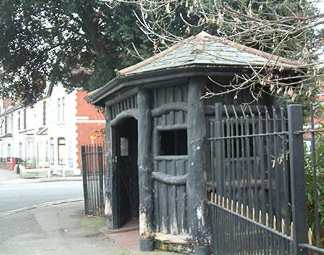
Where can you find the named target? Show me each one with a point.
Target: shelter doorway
(125, 190)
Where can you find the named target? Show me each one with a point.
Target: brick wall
(85, 109)
(7, 102)
(90, 124)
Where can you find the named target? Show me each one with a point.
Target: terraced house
(46, 137)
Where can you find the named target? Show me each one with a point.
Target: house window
(44, 113)
(173, 142)
(63, 110)
(61, 153)
(30, 150)
(25, 118)
(58, 110)
(46, 152)
(20, 150)
(11, 123)
(6, 124)
(52, 151)
(9, 150)
(19, 120)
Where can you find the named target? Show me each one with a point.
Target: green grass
(94, 223)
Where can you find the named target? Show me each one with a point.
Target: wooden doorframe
(115, 192)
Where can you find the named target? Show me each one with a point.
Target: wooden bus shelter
(156, 134)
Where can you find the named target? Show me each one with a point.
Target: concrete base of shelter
(128, 237)
(173, 243)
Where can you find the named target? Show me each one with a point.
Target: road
(19, 195)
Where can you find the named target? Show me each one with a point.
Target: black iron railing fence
(235, 233)
(257, 180)
(93, 167)
(249, 149)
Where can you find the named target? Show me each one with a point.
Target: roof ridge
(198, 43)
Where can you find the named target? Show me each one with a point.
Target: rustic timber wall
(169, 177)
(125, 104)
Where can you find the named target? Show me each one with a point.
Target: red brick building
(90, 124)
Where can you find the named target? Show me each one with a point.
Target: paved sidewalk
(7, 176)
(57, 229)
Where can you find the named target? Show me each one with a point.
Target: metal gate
(93, 165)
(255, 201)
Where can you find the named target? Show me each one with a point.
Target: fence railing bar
(98, 179)
(276, 171)
(255, 163)
(246, 155)
(91, 162)
(212, 159)
(95, 177)
(235, 112)
(87, 177)
(307, 247)
(88, 169)
(309, 130)
(230, 150)
(219, 154)
(84, 175)
(231, 166)
(262, 165)
(269, 166)
(314, 171)
(285, 186)
(101, 171)
(226, 112)
(253, 135)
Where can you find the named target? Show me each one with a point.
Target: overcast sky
(321, 7)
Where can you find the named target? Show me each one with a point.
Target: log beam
(196, 184)
(145, 170)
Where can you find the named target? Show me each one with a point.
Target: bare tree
(289, 29)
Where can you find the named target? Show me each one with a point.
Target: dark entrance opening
(126, 181)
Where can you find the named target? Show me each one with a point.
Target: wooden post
(219, 150)
(145, 170)
(108, 174)
(196, 184)
(297, 175)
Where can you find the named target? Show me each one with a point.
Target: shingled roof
(206, 49)
(201, 50)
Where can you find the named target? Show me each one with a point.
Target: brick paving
(128, 239)
(127, 236)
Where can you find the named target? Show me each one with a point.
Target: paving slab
(57, 229)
